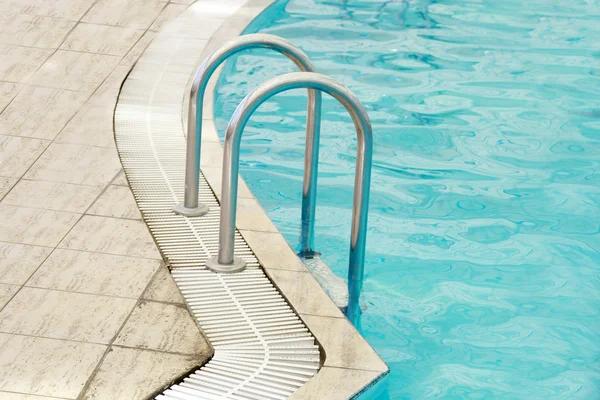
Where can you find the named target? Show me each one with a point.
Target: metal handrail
(225, 261)
(191, 206)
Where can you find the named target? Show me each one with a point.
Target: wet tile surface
(78, 164)
(55, 196)
(40, 112)
(65, 315)
(94, 273)
(19, 261)
(34, 226)
(18, 154)
(86, 71)
(46, 366)
(127, 374)
(102, 39)
(162, 327)
(111, 236)
(117, 202)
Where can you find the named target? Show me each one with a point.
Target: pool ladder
(225, 261)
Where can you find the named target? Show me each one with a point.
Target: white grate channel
(262, 348)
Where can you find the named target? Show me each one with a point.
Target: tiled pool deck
(88, 308)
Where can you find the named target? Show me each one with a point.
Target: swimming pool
(483, 262)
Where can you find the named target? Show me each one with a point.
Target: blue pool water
(483, 261)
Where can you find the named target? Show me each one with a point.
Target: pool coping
(344, 373)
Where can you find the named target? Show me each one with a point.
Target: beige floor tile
(169, 13)
(127, 374)
(335, 384)
(252, 217)
(18, 64)
(33, 31)
(8, 91)
(69, 9)
(162, 327)
(120, 179)
(34, 226)
(40, 112)
(303, 291)
(19, 396)
(65, 315)
(75, 71)
(17, 154)
(106, 94)
(19, 261)
(116, 201)
(137, 50)
(6, 184)
(92, 126)
(344, 346)
(7, 292)
(112, 236)
(95, 273)
(188, 2)
(163, 288)
(73, 163)
(102, 39)
(52, 196)
(273, 251)
(134, 14)
(48, 367)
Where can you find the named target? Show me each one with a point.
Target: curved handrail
(225, 261)
(190, 206)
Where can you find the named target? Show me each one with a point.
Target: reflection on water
(483, 262)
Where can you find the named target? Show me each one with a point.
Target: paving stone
(111, 236)
(33, 31)
(19, 261)
(127, 374)
(162, 327)
(117, 202)
(94, 273)
(92, 126)
(34, 226)
(48, 367)
(163, 288)
(129, 13)
(78, 164)
(18, 154)
(40, 112)
(102, 39)
(75, 71)
(65, 315)
(18, 63)
(55, 196)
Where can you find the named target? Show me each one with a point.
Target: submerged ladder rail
(226, 261)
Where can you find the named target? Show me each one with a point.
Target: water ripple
(483, 262)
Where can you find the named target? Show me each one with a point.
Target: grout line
(41, 397)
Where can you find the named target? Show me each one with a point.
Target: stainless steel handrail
(191, 206)
(225, 261)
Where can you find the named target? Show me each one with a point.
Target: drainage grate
(262, 348)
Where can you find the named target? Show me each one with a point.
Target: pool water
(483, 263)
